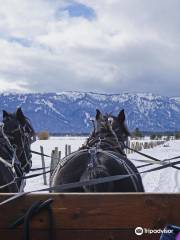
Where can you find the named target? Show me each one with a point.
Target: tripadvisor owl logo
(139, 231)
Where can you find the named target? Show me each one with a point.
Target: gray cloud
(131, 45)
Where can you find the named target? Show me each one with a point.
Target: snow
(37, 109)
(176, 99)
(51, 106)
(166, 180)
(72, 95)
(48, 146)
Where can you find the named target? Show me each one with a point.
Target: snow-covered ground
(167, 180)
(48, 146)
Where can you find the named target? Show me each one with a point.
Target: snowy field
(167, 180)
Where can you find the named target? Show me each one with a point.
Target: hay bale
(44, 135)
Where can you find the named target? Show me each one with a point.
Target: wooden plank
(78, 235)
(98, 211)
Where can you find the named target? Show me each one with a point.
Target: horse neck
(6, 150)
(112, 142)
(102, 139)
(7, 176)
(6, 173)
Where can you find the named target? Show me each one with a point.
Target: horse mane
(28, 121)
(126, 130)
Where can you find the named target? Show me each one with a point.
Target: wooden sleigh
(93, 216)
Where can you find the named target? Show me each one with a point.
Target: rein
(117, 147)
(27, 217)
(25, 141)
(11, 163)
(157, 161)
(91, 182)
(149, 163)
(26, 138)
(42, 154)
(102, 179)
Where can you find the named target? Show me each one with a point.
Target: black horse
(101, 156)
(16, 136)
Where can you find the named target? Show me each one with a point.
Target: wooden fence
(56, 154)
(93, 216)
(138, 145)
(55, 158)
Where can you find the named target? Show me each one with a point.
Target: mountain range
(71, 112)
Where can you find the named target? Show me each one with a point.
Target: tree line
(155, 135)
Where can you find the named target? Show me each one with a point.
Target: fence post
(66, 150)
(69, 149)
(59, 155)
(54, 159)
(43, 165)
(52, 163)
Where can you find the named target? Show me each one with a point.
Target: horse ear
(98, 114)
(20, 115)
(121, 116)
(5, 114)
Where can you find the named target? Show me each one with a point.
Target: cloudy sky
(108, 46)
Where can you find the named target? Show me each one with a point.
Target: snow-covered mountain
(70, 112)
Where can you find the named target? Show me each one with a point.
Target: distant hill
(70, 112)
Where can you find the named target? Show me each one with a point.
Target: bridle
(101, 137)
(11, 163)
(26, 137)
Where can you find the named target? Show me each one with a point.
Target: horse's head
(100, 123)
(119, 126)
(106, 124)
(21, 134)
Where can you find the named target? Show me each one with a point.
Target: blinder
(29, 135)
